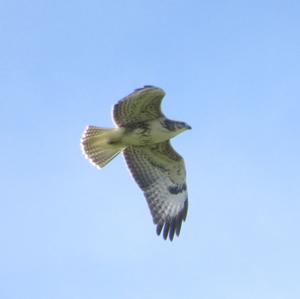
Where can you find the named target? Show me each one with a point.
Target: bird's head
(182, 126)
(176, 126)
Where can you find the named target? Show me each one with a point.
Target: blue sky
(231, 69)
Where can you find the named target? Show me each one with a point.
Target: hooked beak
(188, 127)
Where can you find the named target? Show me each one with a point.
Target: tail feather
(97, 146)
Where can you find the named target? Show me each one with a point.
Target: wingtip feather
(172, 226)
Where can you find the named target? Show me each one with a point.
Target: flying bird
(143, 134)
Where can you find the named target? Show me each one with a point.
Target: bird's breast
(146, 133)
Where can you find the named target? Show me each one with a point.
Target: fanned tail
(100, 145)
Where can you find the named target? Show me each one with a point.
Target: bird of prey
(143, 134)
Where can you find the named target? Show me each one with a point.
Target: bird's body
(143, 134)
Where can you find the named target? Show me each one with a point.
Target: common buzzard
(142, 134)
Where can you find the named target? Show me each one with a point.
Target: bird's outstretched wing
(141, 105)
(160, 173)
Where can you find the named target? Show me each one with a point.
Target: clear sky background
(231, 69)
